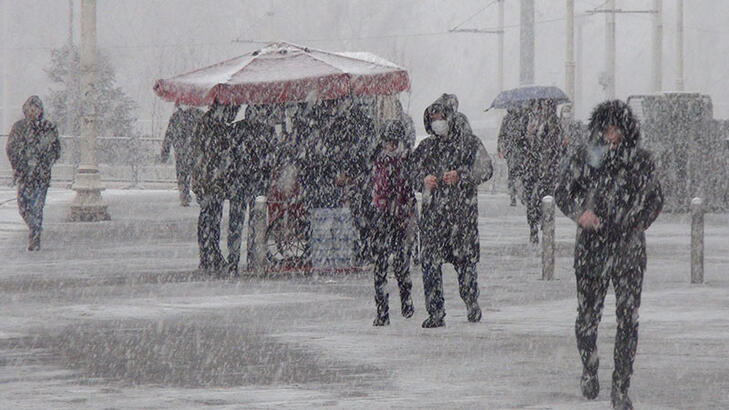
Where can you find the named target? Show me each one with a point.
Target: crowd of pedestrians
(602, 179)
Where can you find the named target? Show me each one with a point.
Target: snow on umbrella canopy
(283, 72)
(522, 96)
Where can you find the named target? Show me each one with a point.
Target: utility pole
(610, 49)
(579, 100)
(500, 32)
(526, 43)
(679, 46)
(657, 42)
(70, 79)
(610, 12)
(500, 76)
(569, 60)
(87, 205)
(5, 64)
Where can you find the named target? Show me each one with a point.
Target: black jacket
(33, 147)
(179, 133)
(213, 152)
(449, 218)
(620, 187)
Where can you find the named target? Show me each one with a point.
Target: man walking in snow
(447, 170)
(33, 147)
(608, 187)
(178, 136)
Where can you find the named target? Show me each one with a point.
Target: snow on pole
(547, 238)
(697, 240)
(260, 261)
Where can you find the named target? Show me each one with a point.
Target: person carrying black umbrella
(540, 146)
(609, 188)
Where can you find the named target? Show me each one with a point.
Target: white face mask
(440, 127)
(596, 155)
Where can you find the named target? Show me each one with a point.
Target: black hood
(33, 100)
(618, 113)
(442, 105)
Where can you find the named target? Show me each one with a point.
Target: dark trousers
(511, 182)
(236, 221)
(208, 233)
(533, 202)
(31, 200)
(591, 290)
(182, 170)
(433, 285)
(390, 240)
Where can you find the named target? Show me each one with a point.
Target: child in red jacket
(393, 200)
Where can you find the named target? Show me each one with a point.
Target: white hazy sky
(151, 39)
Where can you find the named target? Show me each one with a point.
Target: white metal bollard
(259, 223)
(547, 238)
(697, 240)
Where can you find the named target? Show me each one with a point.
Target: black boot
(589, 384)
(34, 240)
(620, 399)
(474, 312)
(381, 320)
(534, 235)
(407, 309)
(433, 321)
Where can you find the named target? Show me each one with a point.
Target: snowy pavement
(113, 315)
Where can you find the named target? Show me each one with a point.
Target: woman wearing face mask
(445, 171)
(610, 190)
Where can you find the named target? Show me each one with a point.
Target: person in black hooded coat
(540, 156)
(213, 149)
(444, 171)
(610, 189)
(33, 147)
(178, 136)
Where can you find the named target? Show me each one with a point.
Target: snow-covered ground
(113, 315)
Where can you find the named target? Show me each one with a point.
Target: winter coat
(33, 147)
(213, 148)
(392, 191)
(541, 155)
(449, 217)
(252, 156)
(511, 137)
(620, 187)
(179, 133)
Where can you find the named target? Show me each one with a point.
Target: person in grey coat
(447, 169)
(33, 147)
(609, 188)
(178, 136)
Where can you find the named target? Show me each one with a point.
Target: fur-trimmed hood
(618, 113)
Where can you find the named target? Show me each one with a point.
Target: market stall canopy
(519, 97)
(283, 72)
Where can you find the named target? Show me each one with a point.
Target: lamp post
(88, 204)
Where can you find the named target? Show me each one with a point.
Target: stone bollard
(547, 238)
(259, 264)
(697, 240)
